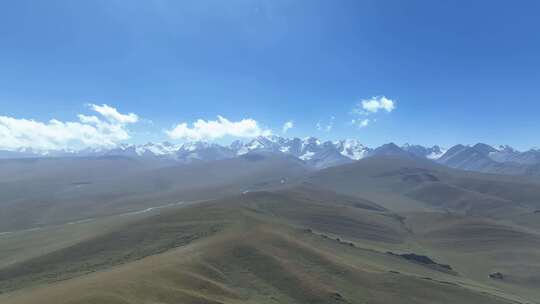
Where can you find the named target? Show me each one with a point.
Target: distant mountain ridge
(485, 158)
(316, 153)
(311, 150)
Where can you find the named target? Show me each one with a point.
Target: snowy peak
(312, 151)
(352, 149)
(433, 153)
(307, 149)
(436, 152)
(160, 149)
(202, 151)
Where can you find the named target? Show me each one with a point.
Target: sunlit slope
(289, 246)
(260, 266)
(413, 184)
(478, 247)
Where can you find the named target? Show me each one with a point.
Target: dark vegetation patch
(351, 244)
(337, 296)
(342, 242)
(367, 206)
(422, 259)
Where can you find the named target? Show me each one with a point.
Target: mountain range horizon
(237, 142)
(314, 152)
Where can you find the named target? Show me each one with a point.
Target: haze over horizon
(269, 151)
(106, 72)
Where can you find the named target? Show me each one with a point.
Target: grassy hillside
(403, 183)
(77, 190)
(288, 246)
(257, 266)
(377, 231)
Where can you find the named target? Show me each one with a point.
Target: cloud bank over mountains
(215, 129)
(107, 127)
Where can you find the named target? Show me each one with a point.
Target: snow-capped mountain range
(316, 153)
(311, 150)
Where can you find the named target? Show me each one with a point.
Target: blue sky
(456, 71)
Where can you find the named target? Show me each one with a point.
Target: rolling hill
(263, 247)
(80, 189)
(387, 229)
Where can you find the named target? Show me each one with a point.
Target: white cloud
(374, 104)
(369, 107)
(326, 127)
(113, 115)
(214, 129)
(286, 126)
(361, 123)
(89, 131)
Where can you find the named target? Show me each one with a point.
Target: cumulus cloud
(374, 105)
(286, 126)
(113, 115)
(214, 129)
(371, 106)
(90, 131)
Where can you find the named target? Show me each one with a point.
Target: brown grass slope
(288, 246)
(395, 182)
(259, 266)
(77, 189)
(477, 247)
